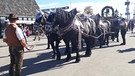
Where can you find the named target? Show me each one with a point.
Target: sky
(97, 5)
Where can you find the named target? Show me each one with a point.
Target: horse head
(41, 18)
(73, 12)
(97, 19)
(51, 18)
(82, 17)
(61, 17)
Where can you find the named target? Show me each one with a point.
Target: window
(29, 19)
(20, 18)
(3, 18)
(25, 19)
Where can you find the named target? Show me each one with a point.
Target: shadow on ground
(43, 62)
(133, 61)
(126, 50)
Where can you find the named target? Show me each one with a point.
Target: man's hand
(30, 48)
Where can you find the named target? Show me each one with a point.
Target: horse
(39, 24)
(115, 29)
(88, 32)
(51, 35)
(64, 20)
(53, 40)
(103, 28)
(72, 28)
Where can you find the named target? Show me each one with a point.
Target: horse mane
(64, 17)
(61, 16)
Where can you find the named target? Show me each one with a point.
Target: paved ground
(115, 60)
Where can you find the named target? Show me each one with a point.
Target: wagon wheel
(106, 12)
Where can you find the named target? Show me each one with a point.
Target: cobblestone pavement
(115, 60)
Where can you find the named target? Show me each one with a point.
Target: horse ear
(40, 11)
(98, 15)
(37, 10)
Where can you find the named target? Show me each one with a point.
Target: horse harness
(71, 26)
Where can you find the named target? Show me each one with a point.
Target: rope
(90, 35)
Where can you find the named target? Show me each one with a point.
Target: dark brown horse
(64, 20)
(52, 37)
(71, 31)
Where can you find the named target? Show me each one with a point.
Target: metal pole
(70, 4)
(128, 16)
(0, 28)
(134, 13)
(127, 10)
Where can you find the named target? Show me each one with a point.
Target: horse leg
(117, 35)
(53, 47)
(76, 47)
(113, 36)
(57, 49)
(67, 50)
(89, 44)
(73, 49)
(107, 39)
(77, 55)
(38, 35)
(132, 29)
(48, 42)
(100, 41)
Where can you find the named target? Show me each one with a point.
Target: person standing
(14, 38)
(6, 25)
(37, 32)
(24, 33)
(123, 25)
(27, 31)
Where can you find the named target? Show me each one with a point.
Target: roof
(19, 7)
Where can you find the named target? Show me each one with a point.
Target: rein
(87, 35)
(63, 31)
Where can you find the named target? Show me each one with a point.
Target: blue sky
(58, 3)
(81, 4)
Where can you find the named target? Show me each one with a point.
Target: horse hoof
(53, 56)
(65, 53)
(48, 48)
(77, 60)
(58, 58)
(100, 47)
(67, 59)
(73, 52)
(88, 54)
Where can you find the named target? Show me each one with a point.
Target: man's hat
(12, 16)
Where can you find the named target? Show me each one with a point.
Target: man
(14, 38)
(123, 26)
